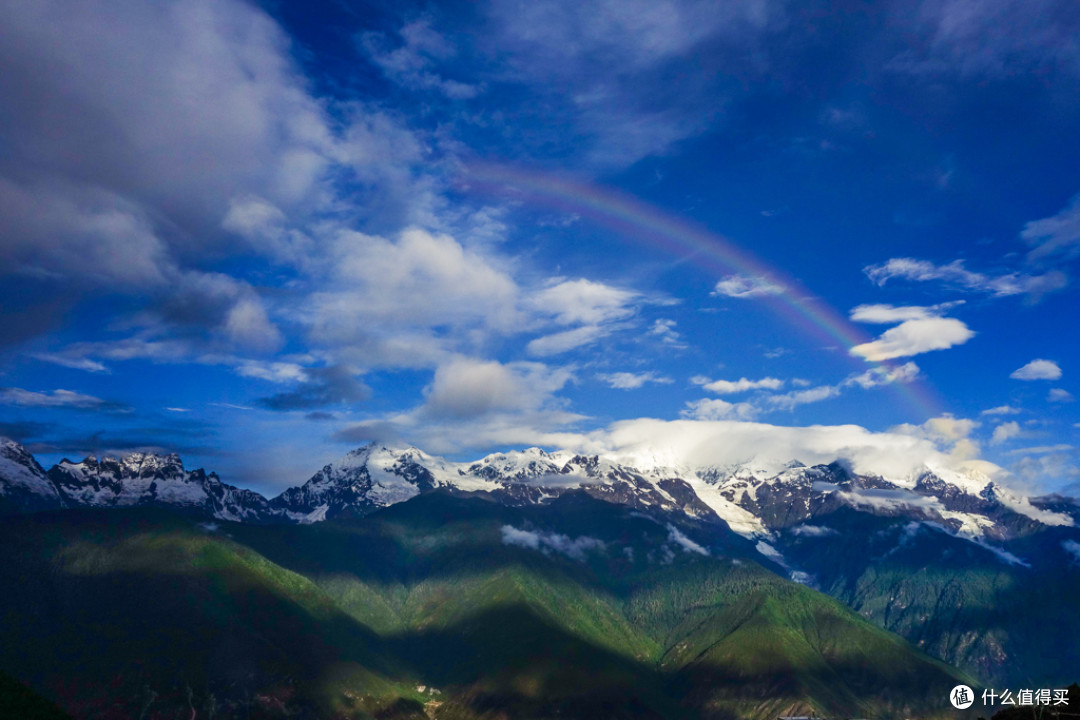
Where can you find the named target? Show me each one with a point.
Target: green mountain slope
(440, 607)
(145, 615)
(1004, 622)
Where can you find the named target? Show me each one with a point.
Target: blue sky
(263, 234)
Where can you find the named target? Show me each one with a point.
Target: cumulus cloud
(915, 337)
(728, 387)
(465, 387)
(1052, 467)
(388, 299)
(875, 377)
(664, 330)
(954, 274)
(1058, 395)
(477, 403)
(713, 409)
(889, 314)
(1004, 432)
(632, 381)
(746, 286)
(921, 330)
(573, 302)
(573, 548)
(137, 130)
(950, 433)
(1037, 369)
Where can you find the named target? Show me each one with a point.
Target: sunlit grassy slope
(425, 610)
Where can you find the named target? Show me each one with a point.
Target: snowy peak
(757, 499)
(365, 480)
(146, 479)
(24, 486)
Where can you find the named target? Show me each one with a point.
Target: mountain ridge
(921, 555)
(750, 501)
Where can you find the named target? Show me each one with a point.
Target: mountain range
(740, 590)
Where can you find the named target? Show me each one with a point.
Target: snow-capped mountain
(923, 554)
(755, 500)
(367, 479)
(142, 479)
(24, 487)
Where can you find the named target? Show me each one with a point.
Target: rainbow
(634, 218)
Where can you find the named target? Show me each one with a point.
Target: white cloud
(716, 409)
(139, 132)
(791, 400)
(276, 372)
(812, 531)
(264, 226)
(1004, 432)
(875, 377)
(55, 399)
(1059, 395)
(914, 337)
(1054, 468)
(560, 342)
(664, 330)
(728, 387)
(688, 545)
(746, 286)
(889, 314)
(956, 275)
(466, 388)
(632, 381)
(921, 330)
(76, 363)
(708, 409)
(950, 434)
(1001, 410)
(1038, 369)
(572, 302)
(647, 443)
(389, 302)
(573, 548)
(160, 137)
(1055, 235)
(597, 307)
